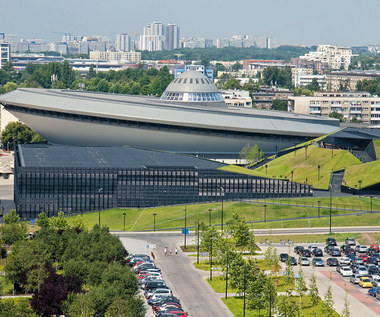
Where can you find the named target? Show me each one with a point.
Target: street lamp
(319, 167)
(292, 175)
(154, 221)
(210, 255)
(209, 217)
(99, 191)
(360, 184)
(185, 226)
(265, 213)
(319, 208)
(245, 265)
(227, 276)
(124, 219)
(371, 203)
(330, 202)
(266, 169)
(305, 152)
(198, 243)
(222, 194)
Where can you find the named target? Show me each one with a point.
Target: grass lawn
(235, 305)
(303, 170)
(376, 144)
(205, 266)
(173, 217)
(368, 173)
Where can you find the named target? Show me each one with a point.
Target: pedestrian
(171, 251)
(176, 251)
(166, 251)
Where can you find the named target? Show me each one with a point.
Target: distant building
(196, 42)
(302, 77)
(315, 66)
(153, 38)
(172, 37)
(260, 64)
(246, 41)
(263, 99)
(5, 53)
(336, 57)
(361, 105)
(208, 72)
(347, 80)
(237, 98)
(123, 42)
(133, 57)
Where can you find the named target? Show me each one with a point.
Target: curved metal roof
(192, 81)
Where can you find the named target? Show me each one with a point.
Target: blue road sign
(33, 220)
(185, 230)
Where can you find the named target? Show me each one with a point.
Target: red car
(375, 246)
(364, 257)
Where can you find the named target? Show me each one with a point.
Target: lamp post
(319, 167)
(371, 203)
(319, 208)
(305, 152)
(292, 174)
(99, 191)
(265, 213)
(198, 243)
(330, 202)
(209, 217)
(266, 169)
(211, 256)
(124, 219)
(360, 184)
(245, 265)
(227, 276)
(222, 194)
(185, 226)
(154, 221)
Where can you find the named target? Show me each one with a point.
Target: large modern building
(191, 117)
(5, 53)
(54, 178)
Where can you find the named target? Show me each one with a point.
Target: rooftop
(47, 155)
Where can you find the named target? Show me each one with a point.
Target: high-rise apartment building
(5, 53)
(172, 35)
(153, 38)
(123, 42)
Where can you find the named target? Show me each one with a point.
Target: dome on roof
(192, 86)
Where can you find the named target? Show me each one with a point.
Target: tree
(314, 86)
(78, 305)
(301, 287)
(255, 291)
(251, 153)
(281, 105)
(336, 115)
(235, 67)
(289, 274)
(269, 294)
(79, 223)
(43, 221)
(59, 222)
(13, 230)
(9, 86)
(287, 306)
(355, 120)
(129, 307)
(16, 133)
(302, 91)
(313, 292)
(232, 83)
(91, 72)
(328, 303)
(346, 308)
(67, 74)
(242, 270)
(239, 229)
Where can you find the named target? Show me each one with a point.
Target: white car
(354, 279)
(346, 271)
(362, 271)
(361, 248)
(344, 261)
(304, 261)
(350, 241)
(376, 282)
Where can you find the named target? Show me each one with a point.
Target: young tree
(129, 307)
(287, 306)
(13, 230)
(313, 292)
(328, 303)
(43, 221)
(239, 229)
(79, 224)
(346, 308)
(255, 291)
(270, 294)
(78, 305)
(251, 153)
(289, 274)
(301, 287)
(59, 222)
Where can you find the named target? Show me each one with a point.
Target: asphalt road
(196, 296)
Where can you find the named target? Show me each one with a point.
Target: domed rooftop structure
(192, 86)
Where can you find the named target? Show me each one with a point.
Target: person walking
(171, 251)
(176, 251)
(166, 251)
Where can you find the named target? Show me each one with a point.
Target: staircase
(336, 181)
(362, 156)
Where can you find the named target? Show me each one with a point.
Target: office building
(172, 37)
(237, 98)
(123, 43)
(132, 57)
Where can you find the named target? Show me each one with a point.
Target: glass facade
(74, 190)
(192, 97)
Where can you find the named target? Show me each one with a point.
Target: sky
(295, 22)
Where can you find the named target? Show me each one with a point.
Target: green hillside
(368, 174)
(304, 170)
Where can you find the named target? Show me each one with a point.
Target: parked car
(284, 257)
(375, 246)
(312, 247)
(361, 248)
(362, 271)
(344, 261)
(350, 241)
(349, 251)
(298, 249)
(373, 290)
(343, 247)
(358, 260)
(376, 282)
(335, 252)
(346, 271)
(328, 248)
(331, 241)
(354, 279)
(304, 261)
(365, 282)
(293, 260)
(351, 256)
(364, 257)
(378, 295)
(306, 252)
(317, 252)
(317, 262)
(371, 251)
(374, 270)
(372, 260)
(332, 262)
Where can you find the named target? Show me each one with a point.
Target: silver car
(354, 279)
(376, 282)
(304, 261)
(362, 271)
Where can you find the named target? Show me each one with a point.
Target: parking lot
(361, 304)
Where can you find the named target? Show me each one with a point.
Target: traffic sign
(34, 220)
(185, 230)
(153, 246)
(147, 246)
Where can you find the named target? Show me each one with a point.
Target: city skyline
(290, 23)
